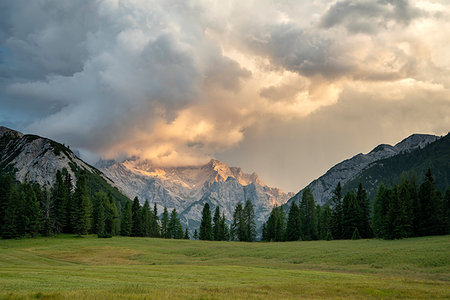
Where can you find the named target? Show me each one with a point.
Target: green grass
(66, 267)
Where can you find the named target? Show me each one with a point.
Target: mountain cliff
(322, 188)
(31, 158)
(188, 188)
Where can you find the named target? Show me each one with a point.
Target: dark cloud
(369, 16)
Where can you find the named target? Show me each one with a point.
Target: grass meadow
(67, 267)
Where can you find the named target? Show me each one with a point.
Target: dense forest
(404, 210)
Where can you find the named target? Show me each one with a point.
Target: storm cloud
(178, 82)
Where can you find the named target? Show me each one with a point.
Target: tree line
(405, 210)
(28, 210)
(242, 227)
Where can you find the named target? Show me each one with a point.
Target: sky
(283, 88)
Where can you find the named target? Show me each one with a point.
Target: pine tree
(111, 217)
(364, 206)
(69, 228)
(380, 211)
(195, 236)
(186, 234)
(325, 222)
(12, 214)
(126, 222)
(223, 229)
(32, 210)
(249, 221)
(337, 213)
(205, 225)
(146, 218)
(237, 226)
(216, 224)
(276, 225)
(352, 213)
(165, 233)
(175, 229)
(136, 218)
(100, 214)
(154, 225)
(6, 185)
(59, 200)
(293, 223)
(308, 218)
(81, 207)
(430, 223)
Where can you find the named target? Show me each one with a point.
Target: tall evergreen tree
(237, 226)
(249, 221)
(127, 220)
(12, 215)
(224, 232)
(216, 225)
(446, 211)
(81, 207)
(429, 201)
(364, 228)
(6, 185)
(136, 218)
(186, 234)
(205, 225)
(146, 216)
(308, 218)
(111, 217)
(195, 236)
(351, 218)
(70, 206)
(337, 213)
(325, 222)
(175, 229)
(165, 233)
(293, 223)
(154, 225)
(380, 211)
(276, 225)
(59, 200)
(99, 209)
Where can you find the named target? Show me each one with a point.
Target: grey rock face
(187, 189)
(322, 188)
(36, 159)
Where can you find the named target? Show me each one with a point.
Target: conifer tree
(100, 215)
(337, 213)
(351, 218)
(363, 202)
(223, 229)
(276, 225)
(195, 236)
(165, 233)
(32, 210)
(293, 223)
(308, 218)
(216, 224)
(186, 234)
(69, 228)
(249, 221)
(59, 200)
(12, 214)
(237, 226)
(81, 207)
(146, 218)
(429, 201)
(175, 229)
(136, 217)
(111, 217)
(126, 222)
(380, 211)
(325, 223)
(154, 225)
(6, 185)
(355, 234)
(205, 225)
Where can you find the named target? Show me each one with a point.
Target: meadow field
(67, 267)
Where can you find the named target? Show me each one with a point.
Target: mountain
(31, 158)
(322, 188)
(435, 156)
(187, 189)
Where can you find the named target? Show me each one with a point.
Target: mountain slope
(188, 188)
(435, 156)
(343, 172)
(31, 158)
